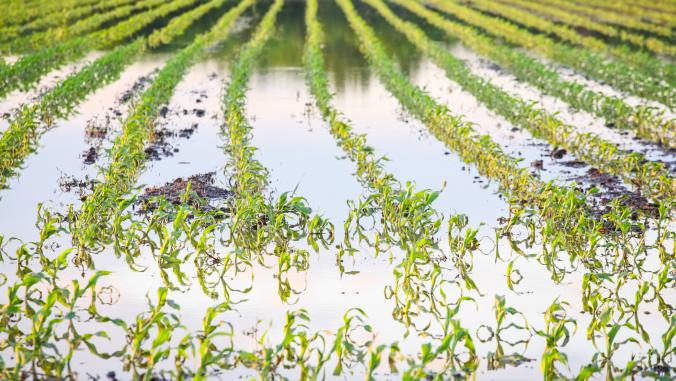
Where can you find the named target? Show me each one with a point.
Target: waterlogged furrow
(646, 121)
(407, 217)
(70, 18)
(653, 44)
(565, 228)
(256, 222)
(646, 63)
(652, 178)
(30, 121)
(90, 229)
(618, 74)
(566, 222)
(30, 68)
(49, 37)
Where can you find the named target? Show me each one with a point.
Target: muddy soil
(204, 194)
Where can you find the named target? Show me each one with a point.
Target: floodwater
(296, 146)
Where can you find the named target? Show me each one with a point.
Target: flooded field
(337, 190)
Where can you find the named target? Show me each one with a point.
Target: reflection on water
(407, 301)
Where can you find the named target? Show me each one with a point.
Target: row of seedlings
(258, 224)
(405, 214)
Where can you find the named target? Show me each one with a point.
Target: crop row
(613, 18)
(39, 40)
(36, 325)
(127, 154)
(26, 72)
(406, 216)
(616, 73)
(646, 121)
(64, 19)
(258, 224)
(653, 44)
(650, 177)
(646, 63)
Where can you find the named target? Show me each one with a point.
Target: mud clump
(574, 163)
(558, 153)
(164, 111)
(203, 193)
(90, 156)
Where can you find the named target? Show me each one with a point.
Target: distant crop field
(337, 190)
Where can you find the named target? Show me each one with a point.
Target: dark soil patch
(160, 145)
(611, 189)
(164, 111)
(90, 156)
(203, 192)
(136, 88)
(558, 153)
(573, 163)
